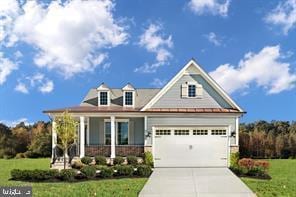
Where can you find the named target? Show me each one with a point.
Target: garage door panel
(190, 150)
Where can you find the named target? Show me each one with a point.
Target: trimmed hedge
(86, 160)
(106, 172)
(34, 175)
(101, 160)
(67, 174)
(132, 160)
(124, 170)
(144, 171)
(118, 160)
(88, 171)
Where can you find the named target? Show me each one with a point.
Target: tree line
(25, 141)
(262, 139)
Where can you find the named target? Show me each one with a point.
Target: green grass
(115, 187)
(283, 182)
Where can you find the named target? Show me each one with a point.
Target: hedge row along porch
(190, 122)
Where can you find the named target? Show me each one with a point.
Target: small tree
(65, 128)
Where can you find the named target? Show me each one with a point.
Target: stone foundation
(124, 150)
(148, 149)
(234, 149)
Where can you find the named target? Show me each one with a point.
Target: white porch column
(82, 137)
(112, 118)
(87, 132)
(145, 130)
(53, 137)
(236, 130)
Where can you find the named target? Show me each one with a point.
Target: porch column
(112, 118)
(145, 130)
(53, 138)
(236, 131)
(82, 137)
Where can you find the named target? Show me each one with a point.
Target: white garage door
(190, 147)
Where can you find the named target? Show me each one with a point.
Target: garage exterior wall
(189, 121)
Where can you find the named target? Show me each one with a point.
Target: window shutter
(184, 90)
(198, 90)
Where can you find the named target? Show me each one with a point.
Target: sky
(53, 52)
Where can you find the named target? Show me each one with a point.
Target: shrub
(132, 160)
(88, 171)
(101, 160)
(31, 154)
(106, 172)
(124, 170)
(262, 164)
(234, 157)
(144, 170)
(148, 158)
(247, 163)
(67, 174)
(77, 164)
(118, 160)
(34, 175)
(86, 160)
(20, 155)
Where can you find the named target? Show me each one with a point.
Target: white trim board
(197, 70)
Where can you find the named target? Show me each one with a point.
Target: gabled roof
(192, 68)
(128, 87)
(102, 87)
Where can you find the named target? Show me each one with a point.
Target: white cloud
(158, 83)
(283, 15)
(70, 37)
(214, 7)
(12, 123)
(6, 67)
(38, 80)
(155, 42)
(46, 87)
(21, 87)
(213, 38)
(9, 10)
(18, 55)
(265, 69)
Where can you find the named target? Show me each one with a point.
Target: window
(122, 133)
(107, 133)
(219, 132)
(163, 132)
(128, 98)
(181, 132)
(200, 132)
(103, 98)
(191, 91)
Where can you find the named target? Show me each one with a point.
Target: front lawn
(283, 182)
(115, 187)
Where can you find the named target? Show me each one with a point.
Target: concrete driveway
(194, 182)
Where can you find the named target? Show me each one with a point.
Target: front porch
(109, 136)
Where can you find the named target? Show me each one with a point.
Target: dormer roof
(103, 87)
(128, 87)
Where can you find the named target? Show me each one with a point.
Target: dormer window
(128, 95)
(103, 95)
(128, 98)
(103, 98)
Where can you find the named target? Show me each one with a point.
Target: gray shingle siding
(172, 98)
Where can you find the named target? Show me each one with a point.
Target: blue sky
(52, 53)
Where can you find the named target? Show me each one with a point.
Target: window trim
(133, 97)
(108, 98)
(116, 128)
(196, 84)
